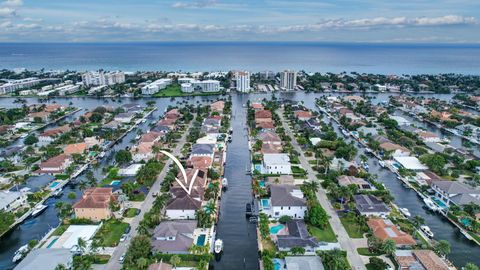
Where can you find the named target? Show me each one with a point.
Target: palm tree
(81, 245)
(389, 246)
(210, 207)
(175, 260)
(418, 221)
(442, 248)
(313, 186)
(141, 263)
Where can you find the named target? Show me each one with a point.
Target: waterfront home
(410, 163)
(12, 200)
(353, 99)
(201, 163)
(340, 164)
(395, 149)
(150, 137)
(161, 129)
(199, 178)
(269, 137)
(419, 259)
(257, 106)
(313, 124)
(160, 266)
(266, 126)
(112, 125)
(182, 208)
(454, 192)
(303, 263)
(346, 180)
(124, 117)
(75, 148)
(142, 152)
(268, 148)
(214, 132)
(69, 238)
(372, 131)
(50, 135)
(207, 139)
(35, 116)
(47, 259)
(437, 147)
(276, 164)
(287, 200)
(92, 141)
(303, 115)
(174, 236)
(263, 116)
(95, 204)
(369, 205)
(167, 122)
(132, 107)
(297, 236)
(212, 121)
(217, 106)
(173, 114)
(203, 150)
(384, 229)
(381, 139)
(401, 121)
(55, 165)
(426, 136)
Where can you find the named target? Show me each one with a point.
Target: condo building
(288, 80)
(242, 81)
(94, 78)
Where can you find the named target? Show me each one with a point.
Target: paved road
(345, 241)
(121, 249)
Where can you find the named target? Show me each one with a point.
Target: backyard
(110, 232)
(325, 235)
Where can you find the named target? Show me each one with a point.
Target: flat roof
(69, 238)
(411, 163)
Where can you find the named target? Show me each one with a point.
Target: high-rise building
(242, 81)
(103, 78)
(288, 80)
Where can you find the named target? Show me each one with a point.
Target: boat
(102, 154)
(24, 135)
(368, 150)
(38, 209)
(466, 234)
(218, 246)
(345, 132)
(224, 183)
(20, 253)
(405, 212)
(425, 229)
(430, 204)
(382, 163)
(57, 192)
(366, 167)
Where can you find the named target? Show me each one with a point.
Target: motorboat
(382, 163)
(38, 209)
(366, 167)
(425, 229)
(57, 192)
(430, 204)
(218, 246)
(466, 234)
(24, 135)
(20, 253)
(224, 183)
(368, 150)
(345, 132)
(405, 212)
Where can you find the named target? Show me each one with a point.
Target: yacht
(20, 253)
(345, 132)
(425, 229)
(466, 234)
(218, 246)
(57, 192)
(430, 204)
(38, 209)
(224, 183)
(366, 167)
(382, 163)
(405, 212)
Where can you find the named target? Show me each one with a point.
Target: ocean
(254, 56)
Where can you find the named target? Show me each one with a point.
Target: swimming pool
(265, 203)
(276, 265)
(262, 183)
(201, 240)
(466, 222)
(275, 229)
(439, 202)
(258, 167)
(54, 184)
(115, 183)
(52, 243)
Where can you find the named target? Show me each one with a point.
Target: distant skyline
(406, 21)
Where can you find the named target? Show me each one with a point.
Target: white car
(122, 258)
(123, 238)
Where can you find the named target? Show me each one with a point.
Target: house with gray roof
(369, 205)
(161, 129)
(174, 236)
(203, 150)
(287, 200)
(298, 236)
(46, 259)
(124, 117)
(183, 207)
(276, 164)
(303, 263)
(454, 192)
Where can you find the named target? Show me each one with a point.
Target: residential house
(200, 162)
(132, 107)
(12, 200)
(75, 148)
(297, 236)
(95, 204)
(55, 165)
(266, 126)
(50, 135)
(346, 180)
(167, 122)
(426, 136)
(384, 229)
(173, 114)
(203, 150)
(456, 193)
(372, 131)
(217, 106)
(213, 121)
(313, 124)
(161, 129)
(395, 149)
(182, 208)
(43, 116)
(419, 259)
(174, 236)
(160, 266)
(303, 263)
(124, 117)
(287, 200)
(303, 115)
(46, 259)
(353, 99)
(142, 152)
(92, 141)
(257, 106)
(369, 205)
(269, 137)
(268, 148)
(276, 164)
(262, 116)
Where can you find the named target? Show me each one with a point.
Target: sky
(400, 21)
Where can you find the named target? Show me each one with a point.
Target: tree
(140, 247)
(442, 248)
(123, 157)
(418, 221)
(30, 139)
(377, 264)
(60, 267)
(284, 219)
(389, 246)
(374, 244)
(317, 216)
(297, 250)
(175, 260)
(81, 245)
(96, 117)
(470, 266)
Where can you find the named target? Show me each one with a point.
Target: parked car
(123, 238)
(127, 230)
(122, 258)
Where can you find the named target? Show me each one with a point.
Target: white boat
(224, 183)
(368, 150)
(102, 154)
(57, 192)
(218, 246)
(39, 209)
(430, 204)
(345, 132)
(382, 163)
(20, 253)
(425, 229)
(24, 135)
(405, 212)
(466, 234)
(366, 167)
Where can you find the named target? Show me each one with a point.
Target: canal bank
(238, 235)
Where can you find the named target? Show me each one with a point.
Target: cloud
(195, 4)
(12, 3)
(7, 12)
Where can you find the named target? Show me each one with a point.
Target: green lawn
(60, 230)
(110, 232)
(324, 235)
(174, 90)
(130, 212)
(365, 252)
(353, 229)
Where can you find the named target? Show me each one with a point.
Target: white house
(124, 117)
(287, 200)
(182, 208)
(11, 200)
(155, 86)
(276, 164)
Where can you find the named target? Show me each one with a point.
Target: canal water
(238, 235)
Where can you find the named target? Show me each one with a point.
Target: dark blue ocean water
(254, 56)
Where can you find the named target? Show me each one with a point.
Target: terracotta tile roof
(53, 107)
(269, 136)
(430, 260)
(266, 125)
(217, 106)
(173, 114)
(95, 198)
(200, 162)
(56, 161)
(257, 106)
(167, 122)
(56, 131)
(150, 137)
(303, 114)
(263, 114)
(385, 229)
(388, 146)
(76, 148)
(268, 148)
